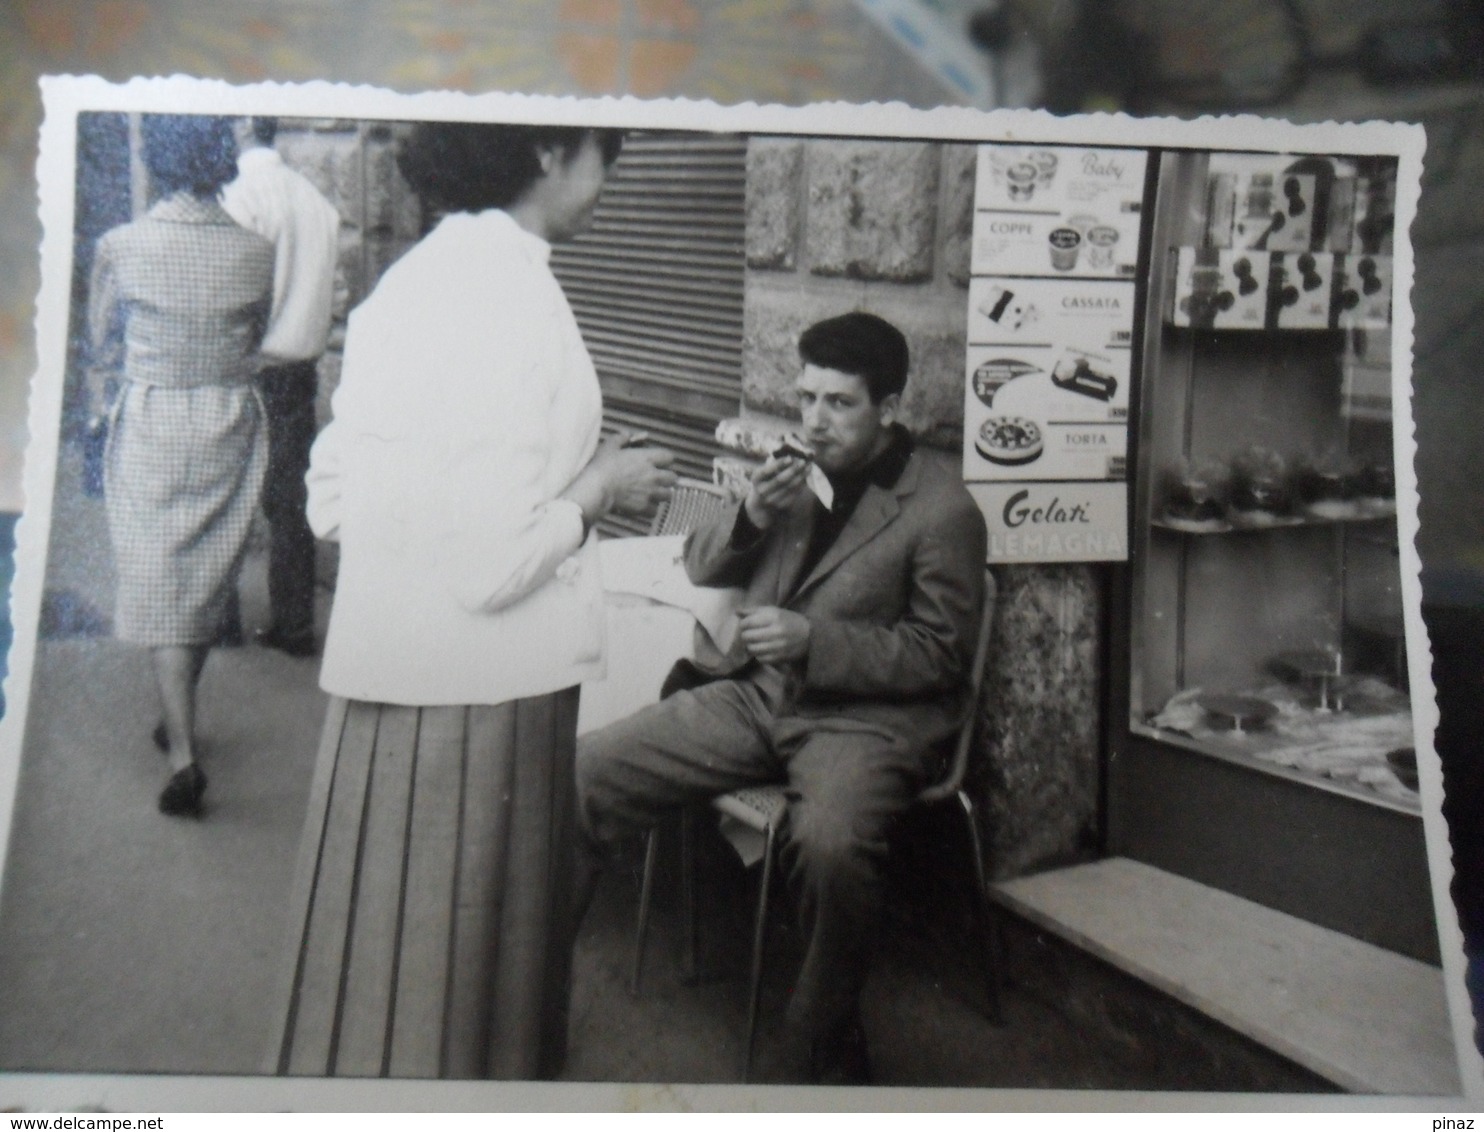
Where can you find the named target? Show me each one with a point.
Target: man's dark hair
(265, 130)
(472, 166)
(861, 344)
(189, 152)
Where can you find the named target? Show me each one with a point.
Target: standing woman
(462, 475)
(178, 302)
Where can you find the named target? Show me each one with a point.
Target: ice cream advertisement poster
(1086, 314)
(1047, 376)
(1049, 358)
(1005, 441)
(1054, 522)
(1068, 383)
(1058, 210)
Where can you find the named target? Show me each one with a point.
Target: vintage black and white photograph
(523, 589)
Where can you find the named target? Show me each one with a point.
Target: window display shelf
(1374, 771)
(1372, 513)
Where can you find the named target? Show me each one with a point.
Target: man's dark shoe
(295, 644)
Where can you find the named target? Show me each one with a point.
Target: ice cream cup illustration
(1102, 242)
(1065, 244)
(1045, 163)
(1021, 179)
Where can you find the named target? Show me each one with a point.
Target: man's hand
(774, 488)
(774, 635)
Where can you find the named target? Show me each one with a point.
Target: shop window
(1268, 611)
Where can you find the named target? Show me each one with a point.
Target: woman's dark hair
(863, 344)
(189, 152)
(472, 166)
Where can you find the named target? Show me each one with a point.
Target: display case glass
(1267, 610)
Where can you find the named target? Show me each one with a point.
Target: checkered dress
(177, 308)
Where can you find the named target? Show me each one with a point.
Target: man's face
(842, 425)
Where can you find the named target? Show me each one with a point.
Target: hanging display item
(1288, 244)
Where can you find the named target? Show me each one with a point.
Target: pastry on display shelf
(1326, 488)
(1375, 488)
(1259, 496)
(1195, 499)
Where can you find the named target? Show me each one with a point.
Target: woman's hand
(640, 477)
(624, 475)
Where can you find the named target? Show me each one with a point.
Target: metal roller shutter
(656, 285)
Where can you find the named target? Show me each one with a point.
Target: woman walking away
(178, 303)
(462, 475)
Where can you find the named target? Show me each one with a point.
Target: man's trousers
(289, 394)
(845, 784)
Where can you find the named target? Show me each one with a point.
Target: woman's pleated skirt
(431, 924)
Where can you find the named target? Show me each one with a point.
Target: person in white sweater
(462, 474)
(283, 206)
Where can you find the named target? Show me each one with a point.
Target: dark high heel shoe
(182, 794)
(161, 738)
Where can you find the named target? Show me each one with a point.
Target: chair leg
(690, 943)
(755, 983)
(985, 922)
(646, 889)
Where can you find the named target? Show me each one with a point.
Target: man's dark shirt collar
(883, 470)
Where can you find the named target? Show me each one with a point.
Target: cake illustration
(1010, 440)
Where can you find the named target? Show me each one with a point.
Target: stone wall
(1038, 771)
(885, 226)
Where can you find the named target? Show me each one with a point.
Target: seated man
(856, 635)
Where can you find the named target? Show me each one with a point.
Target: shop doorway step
(1366, 1019)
